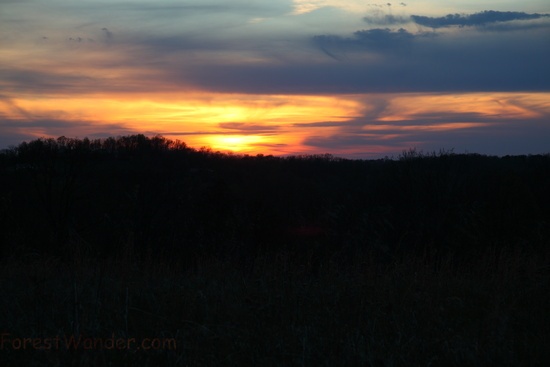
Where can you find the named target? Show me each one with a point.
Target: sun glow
(235, 143)
(227, 122)
(272, 124)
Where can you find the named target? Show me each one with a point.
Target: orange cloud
(488, 105)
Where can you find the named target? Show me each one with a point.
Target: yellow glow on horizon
(234, 143)
(273, 124)
(227, 122)
(173, 110)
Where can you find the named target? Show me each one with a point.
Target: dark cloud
(161, 46)
(76, 39)
(318, 124)
(387, 19)
(380, 61)
(383, 38)
(269, 145)
(477, 19)
(368, 61)
(70, 82)
(32, 81)
(107, 34)
(245, 128)
(374, 40)
(463, 61)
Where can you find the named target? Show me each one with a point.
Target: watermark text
(72, 342)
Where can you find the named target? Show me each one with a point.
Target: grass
(281, 311)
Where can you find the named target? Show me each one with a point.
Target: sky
(351, 78)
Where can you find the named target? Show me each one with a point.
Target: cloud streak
(391, 127)
(478, 19)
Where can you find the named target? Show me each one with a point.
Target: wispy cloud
(433, 122)
(478, 19)
(13, 132)
(372, 40)
(245, 128)
(107, 34)
(386, 19)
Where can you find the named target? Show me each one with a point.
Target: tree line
(155, 197)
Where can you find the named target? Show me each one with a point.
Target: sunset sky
(352, 78)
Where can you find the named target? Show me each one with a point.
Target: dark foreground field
(416, 312)
(143, 252)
